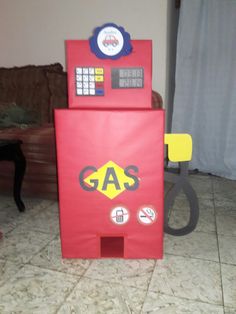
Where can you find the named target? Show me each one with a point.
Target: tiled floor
(197, 274)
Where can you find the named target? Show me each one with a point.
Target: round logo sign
(147, 215)
(110, 41)
(119, 215)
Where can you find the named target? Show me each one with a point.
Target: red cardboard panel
(110, 175)
(121, 83)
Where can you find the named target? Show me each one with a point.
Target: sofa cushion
(157, 101)
(28, 87)
(57, 83)
(12, 115)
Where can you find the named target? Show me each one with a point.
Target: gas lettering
(135, 185)
(110, 179)
(93, 182)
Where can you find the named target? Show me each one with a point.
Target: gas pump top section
(110, 70)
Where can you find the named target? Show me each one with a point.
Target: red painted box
(110, 176)
(122, 83)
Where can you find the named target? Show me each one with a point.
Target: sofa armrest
(157, 101)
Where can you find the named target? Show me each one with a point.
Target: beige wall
(33, 31)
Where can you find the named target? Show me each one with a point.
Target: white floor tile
(227, 247)
(94, 296)
(188, 278)
(133, 273)
(50, 258)
(229, 284)
(7, 270)
(226, 225)
(197, 244)
(156, 303)
(35, 290)
(180, 213)
(20, 245)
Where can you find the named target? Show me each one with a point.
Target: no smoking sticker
(147, 215)
(119, 215)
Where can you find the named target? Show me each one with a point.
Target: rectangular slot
(112, 246)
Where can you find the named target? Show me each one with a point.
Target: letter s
(136, 181)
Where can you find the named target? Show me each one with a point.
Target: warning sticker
(147, 215)
(119, 215)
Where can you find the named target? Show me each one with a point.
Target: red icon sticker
(147, 215)
(119, 215)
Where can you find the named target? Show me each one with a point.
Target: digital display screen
(127, 78)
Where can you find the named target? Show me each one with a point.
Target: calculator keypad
(89, 81)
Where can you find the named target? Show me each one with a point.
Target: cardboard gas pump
(110, 147)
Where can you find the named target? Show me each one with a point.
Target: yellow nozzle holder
(180, 147)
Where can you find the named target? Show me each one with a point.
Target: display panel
(127, 78)
(105, 83)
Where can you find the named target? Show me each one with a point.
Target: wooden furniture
(28, 96)
(10, 150)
